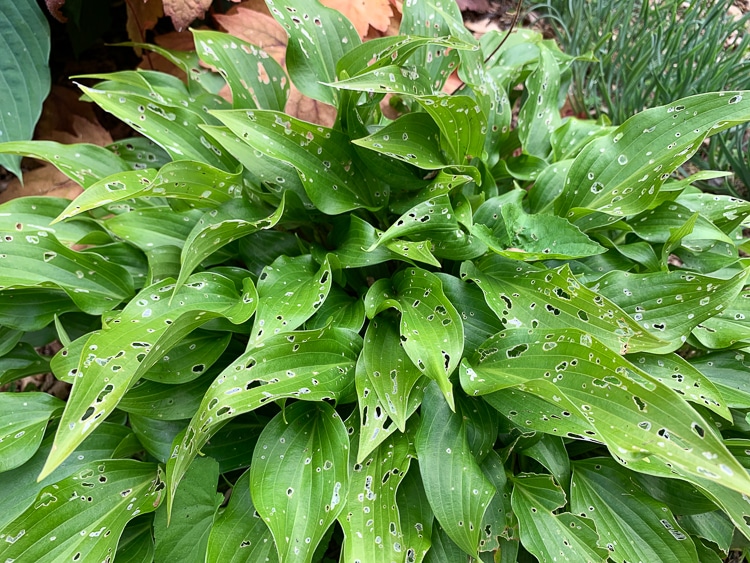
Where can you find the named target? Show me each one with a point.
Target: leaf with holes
(256, 80)
(33, 308)
(309, 365)
(462, 123)
(621, 173)
(525, 297)
(635, 415)
(135, 339)
(603, 491)
(37, 213)
(23, 420)
(730, 328)
(728, 371)
(39, 260)
(190, 358)
(290, 290)
(431, 329)
(81, 517)
(218, 227)
(430, 219)
(456, 487)
(153, 227)
(370, 518)
(391, 79)
(547, 534)
(238, 534)
(539, 115)
(669, 305)
(330, 170)
(299, 476)
(318, 38)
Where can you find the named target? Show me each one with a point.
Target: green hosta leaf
(163, 401)
(26, 77)
(634, 414)
(413, 138)
(20, 486)
(670, 304)
(331, 172)
(550, 452)
(172, 127)
(522, 297)
(231, 220)
(431, 329)
(570, 137)
(23, 419)
(290, 290)
(256, 80)
(353, 242)
(433, 218)
(36, 213)
(318, 38)
(713, 526)
(238, 534)
(462, 124)
(621, 172)
(135, 339)
(190, 358)
(153, 227)
(731, 327)
(417, 251)
(458, 491)
(539, 115)
(511, 232)
(389, 372)
(552, 536)
(728, 371)
(81, 517)
(391, 79)
(340, 310)
(416, 515)
(675, 372)
(200, 185)
(370, 518)
(299, 477)
(156, 436)
(139, 153)
(631, 525)
(185, 538)
(312, 366)
(136, 544)
(723, 211)
(443, 548)
(497, 521)
(40, 261)
(20, 361)
(8, 339)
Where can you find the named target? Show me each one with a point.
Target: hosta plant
(477, 331)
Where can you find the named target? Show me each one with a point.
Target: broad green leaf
(497, 519)
(20, 486)
(714, 526)
(354, 242)
(549, 535)
(529, 298)
(430, 219)
(413, 138)
(443, 548)
(290, 290)
(318, 38)
(675, 372)
(114, 358)
(312, 366)
(389, 372)
(391, 79)
(201, 185)
(458, 491)
(39, 260)
(171, 126)
(670, 304)
(621, 173)
(81, 517)
(156, 435)
(8, 339)
(539, 115)
(462, 124)
(185, 537)
(256, 80)
(26, 77)
(414, 251)
(370, 518)
(299, 477)
(339, 309)
(139, 153)
(723, 211)
(36, 213)
(239, 535)
(550, 452)
(153, 227)
(190, 358)
(164, 401)
(728, 371)
(511, 232)
(431, 330)
(570, 137)
(635, 415)
(136, 543)
(331, 172)
(632, 526)
(416, 515)
(23, 419)
(20, 361)
(729, 328)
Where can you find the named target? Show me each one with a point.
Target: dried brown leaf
(67, 119)
(184, 12)
(45, 180)
(142, 16)
(55, 8)
(364, 13)
(300, 106)
(251, 23)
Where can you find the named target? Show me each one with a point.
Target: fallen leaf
(300, 106)
(481, 6)
(45, 180)
(251, 22)
(184, 12)
(364, 13)
(67, 119)
(55, 8)
(142, 16)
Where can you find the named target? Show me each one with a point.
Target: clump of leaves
(432, 338)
